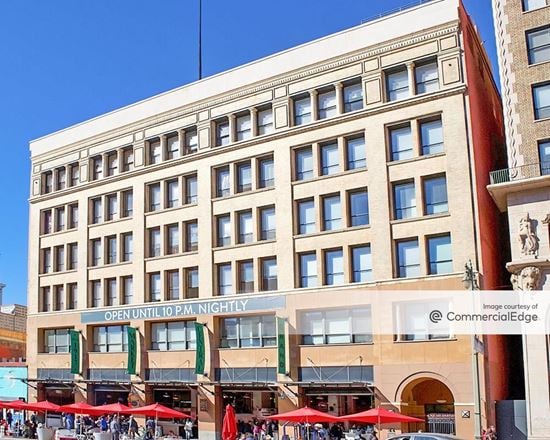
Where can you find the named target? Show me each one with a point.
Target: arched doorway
(431, 400)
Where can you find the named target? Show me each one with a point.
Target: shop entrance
(339, 402)
(252, 406)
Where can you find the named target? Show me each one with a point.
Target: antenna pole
(200, 39)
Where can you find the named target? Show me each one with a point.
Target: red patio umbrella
(113, 408)
(229, 427)
(158, 411)
(305, 415)
(16, 404)
(78, 408)
(379, 416)
(43, 406)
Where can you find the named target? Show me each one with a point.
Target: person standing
(188, 427)
(115, 428)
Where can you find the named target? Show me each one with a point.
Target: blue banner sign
(174, 310)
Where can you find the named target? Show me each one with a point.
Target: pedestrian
(103, 424)
(115, 428)
(188, 427)
(132, 428)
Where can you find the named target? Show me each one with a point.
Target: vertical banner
(281, 346)
(74, 341)
(201, 349)
(132, 349)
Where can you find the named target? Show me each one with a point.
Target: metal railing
(520, 173)
(396, 10)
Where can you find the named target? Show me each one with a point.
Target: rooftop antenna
(200, 39)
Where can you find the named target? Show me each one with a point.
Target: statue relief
(527, 278)
(527, 238)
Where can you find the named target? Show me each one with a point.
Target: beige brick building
(523, 189)
(289, 187)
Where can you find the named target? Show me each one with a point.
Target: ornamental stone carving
(527, 278)
(527, 238)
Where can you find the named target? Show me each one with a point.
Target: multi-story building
(523, 189)
(352, 164)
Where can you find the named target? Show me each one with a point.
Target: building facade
(523, 189)
(207, 204)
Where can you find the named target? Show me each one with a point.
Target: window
(128, 159)
(244, 127)
(72, 296)
(267, 223)
(541, 98)
(112, 206)
(154, 287)
(191, 189)
(60, 258)
(61, 179)
(191, 141)
(47, 182)
(172, 238)
(538, 45)
(353, 97)
(154, 242)
(97, 211)
(431, 137)
(172, 146)
(192, 282)
(73, 216)
(426, 77)
(544, 155)
(308, 270)
(46, 299)
(408, 259)
(111, 297)
(267, 177)
(127, 203)
(249, 331)
(172, 193)
(47, 222)
(435, 195)
(265, 121)
(155, 152)
(222, 182)
(330, 159)
(59, 219)
(397, 84)
(56, 340)
(302, 110)
(361, 264)
(356, 153)
(111, 249)
(306, 217)
(332, 213)
(245, 227)
(59, 297)
(304, 164)
(222, 133)
(269, 274)
(110, 339)
(327, 104)
(529, 5)
(191, 236)
(127, 289)
(225, 285)
(334, 267)
(95, 286)
(97, 167)
(412, 324)
(224, 230)
(440, 256)
(46, 260)
(75, 174)
(359, 208)
(96, 251)
(244, 177)
(154, 197)
(174, 335)
(246, 276)
(404, 197)
(173, 282)
(336, 327)
(401, 143)
(112, 164)
(127, 246)
(73, 255)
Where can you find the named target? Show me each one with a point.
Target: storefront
(104, 394)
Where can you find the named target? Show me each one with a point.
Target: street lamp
(470, 277)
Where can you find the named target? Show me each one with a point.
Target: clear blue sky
(65, 61)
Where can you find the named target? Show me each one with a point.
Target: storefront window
(250, 331)
(337, 327)
(175, 335)
(179, 400)
(56, 340)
